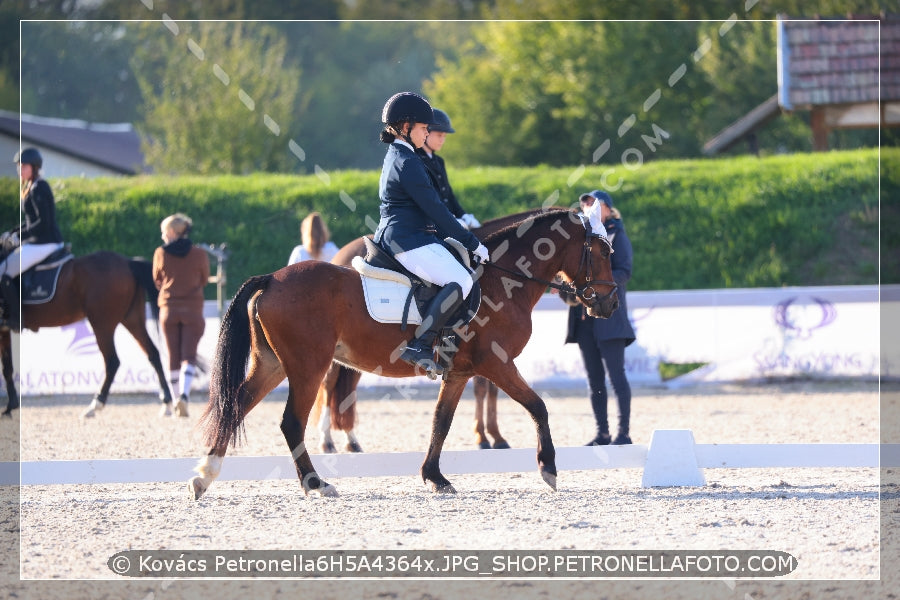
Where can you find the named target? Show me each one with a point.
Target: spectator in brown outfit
(180, 270)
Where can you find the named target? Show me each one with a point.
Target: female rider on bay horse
(35, 240)
(412, 217)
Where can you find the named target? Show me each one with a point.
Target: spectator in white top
(315, 242)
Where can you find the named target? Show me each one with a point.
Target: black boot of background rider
(420, 352)
(9, 290)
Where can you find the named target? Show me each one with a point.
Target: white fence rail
(671, 459)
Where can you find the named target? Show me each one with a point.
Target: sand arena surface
(829, 519)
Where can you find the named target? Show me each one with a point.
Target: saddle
(39, 282)
(389, 290)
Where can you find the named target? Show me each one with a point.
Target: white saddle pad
(385, 293)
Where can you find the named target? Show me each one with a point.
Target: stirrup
(422, 359)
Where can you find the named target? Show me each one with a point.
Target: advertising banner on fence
(738, 335)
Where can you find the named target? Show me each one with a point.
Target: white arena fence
(671, 459)
(741, 334)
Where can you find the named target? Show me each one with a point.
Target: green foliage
(808, 219)
(534, 91)
(79, 70)
(219, 105)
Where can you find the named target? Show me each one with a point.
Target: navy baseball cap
(598, 195)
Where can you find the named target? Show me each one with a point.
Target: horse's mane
(512, 230)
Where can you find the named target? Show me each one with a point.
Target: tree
(217, 97)
(78, 70)
(561, 92)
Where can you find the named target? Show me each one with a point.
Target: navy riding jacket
(39, 208)
(412, 213)
(617, 326)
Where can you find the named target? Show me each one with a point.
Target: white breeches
(435, 264)
(26, 256)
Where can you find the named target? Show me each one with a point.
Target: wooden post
(819, 129)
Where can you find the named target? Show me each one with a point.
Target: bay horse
(293, 322)
(107, 289)
(336, 399)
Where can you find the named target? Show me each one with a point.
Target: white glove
(14, 238)
(463, 223)
(481, 253)
(470, 221)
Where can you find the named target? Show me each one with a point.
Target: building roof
(115, 146)
(826, 62)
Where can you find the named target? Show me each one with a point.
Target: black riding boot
(420, 352)
(9, 290)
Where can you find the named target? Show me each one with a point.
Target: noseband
(586, 292)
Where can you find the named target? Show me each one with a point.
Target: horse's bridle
(586, 292)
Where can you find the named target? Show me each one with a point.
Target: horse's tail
(342, 406)
(224, 414)
(142, 271)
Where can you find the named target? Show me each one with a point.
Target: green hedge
(805, 219)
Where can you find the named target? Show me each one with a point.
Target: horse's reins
(586, 262)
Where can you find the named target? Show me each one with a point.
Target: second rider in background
(438, 129)
(437, 135)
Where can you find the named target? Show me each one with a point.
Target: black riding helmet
(406, 106)
(29, 156)
(441, 122)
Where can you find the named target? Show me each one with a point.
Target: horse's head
(592, 277)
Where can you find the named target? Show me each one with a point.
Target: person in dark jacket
(35, 239)
(437, 135)
(603, 341)
(413, 216)
(180, 271)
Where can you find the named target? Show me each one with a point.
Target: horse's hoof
(328, 448)
(92, 410)
(196, 488)
(6, 415)
(353, 447)
(326, 491)
(484, 445)
(549, 477)
(445, 488)
(180, 408)
(501, 445)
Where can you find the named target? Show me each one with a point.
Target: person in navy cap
(603, 341)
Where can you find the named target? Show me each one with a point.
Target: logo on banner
(83, 342)
(803, 319)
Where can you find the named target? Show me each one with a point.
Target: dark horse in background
(337, 395)
(107, 289)
(293, 322)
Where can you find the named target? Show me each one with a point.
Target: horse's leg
(343, 403)
(323, 404)
(480, 387)
(326, 443)
(104, 335)
(448, 398)
(510, 381)
(135, 323)
(264, 373)
(491, 418)
(8, 373)
(301, 396)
